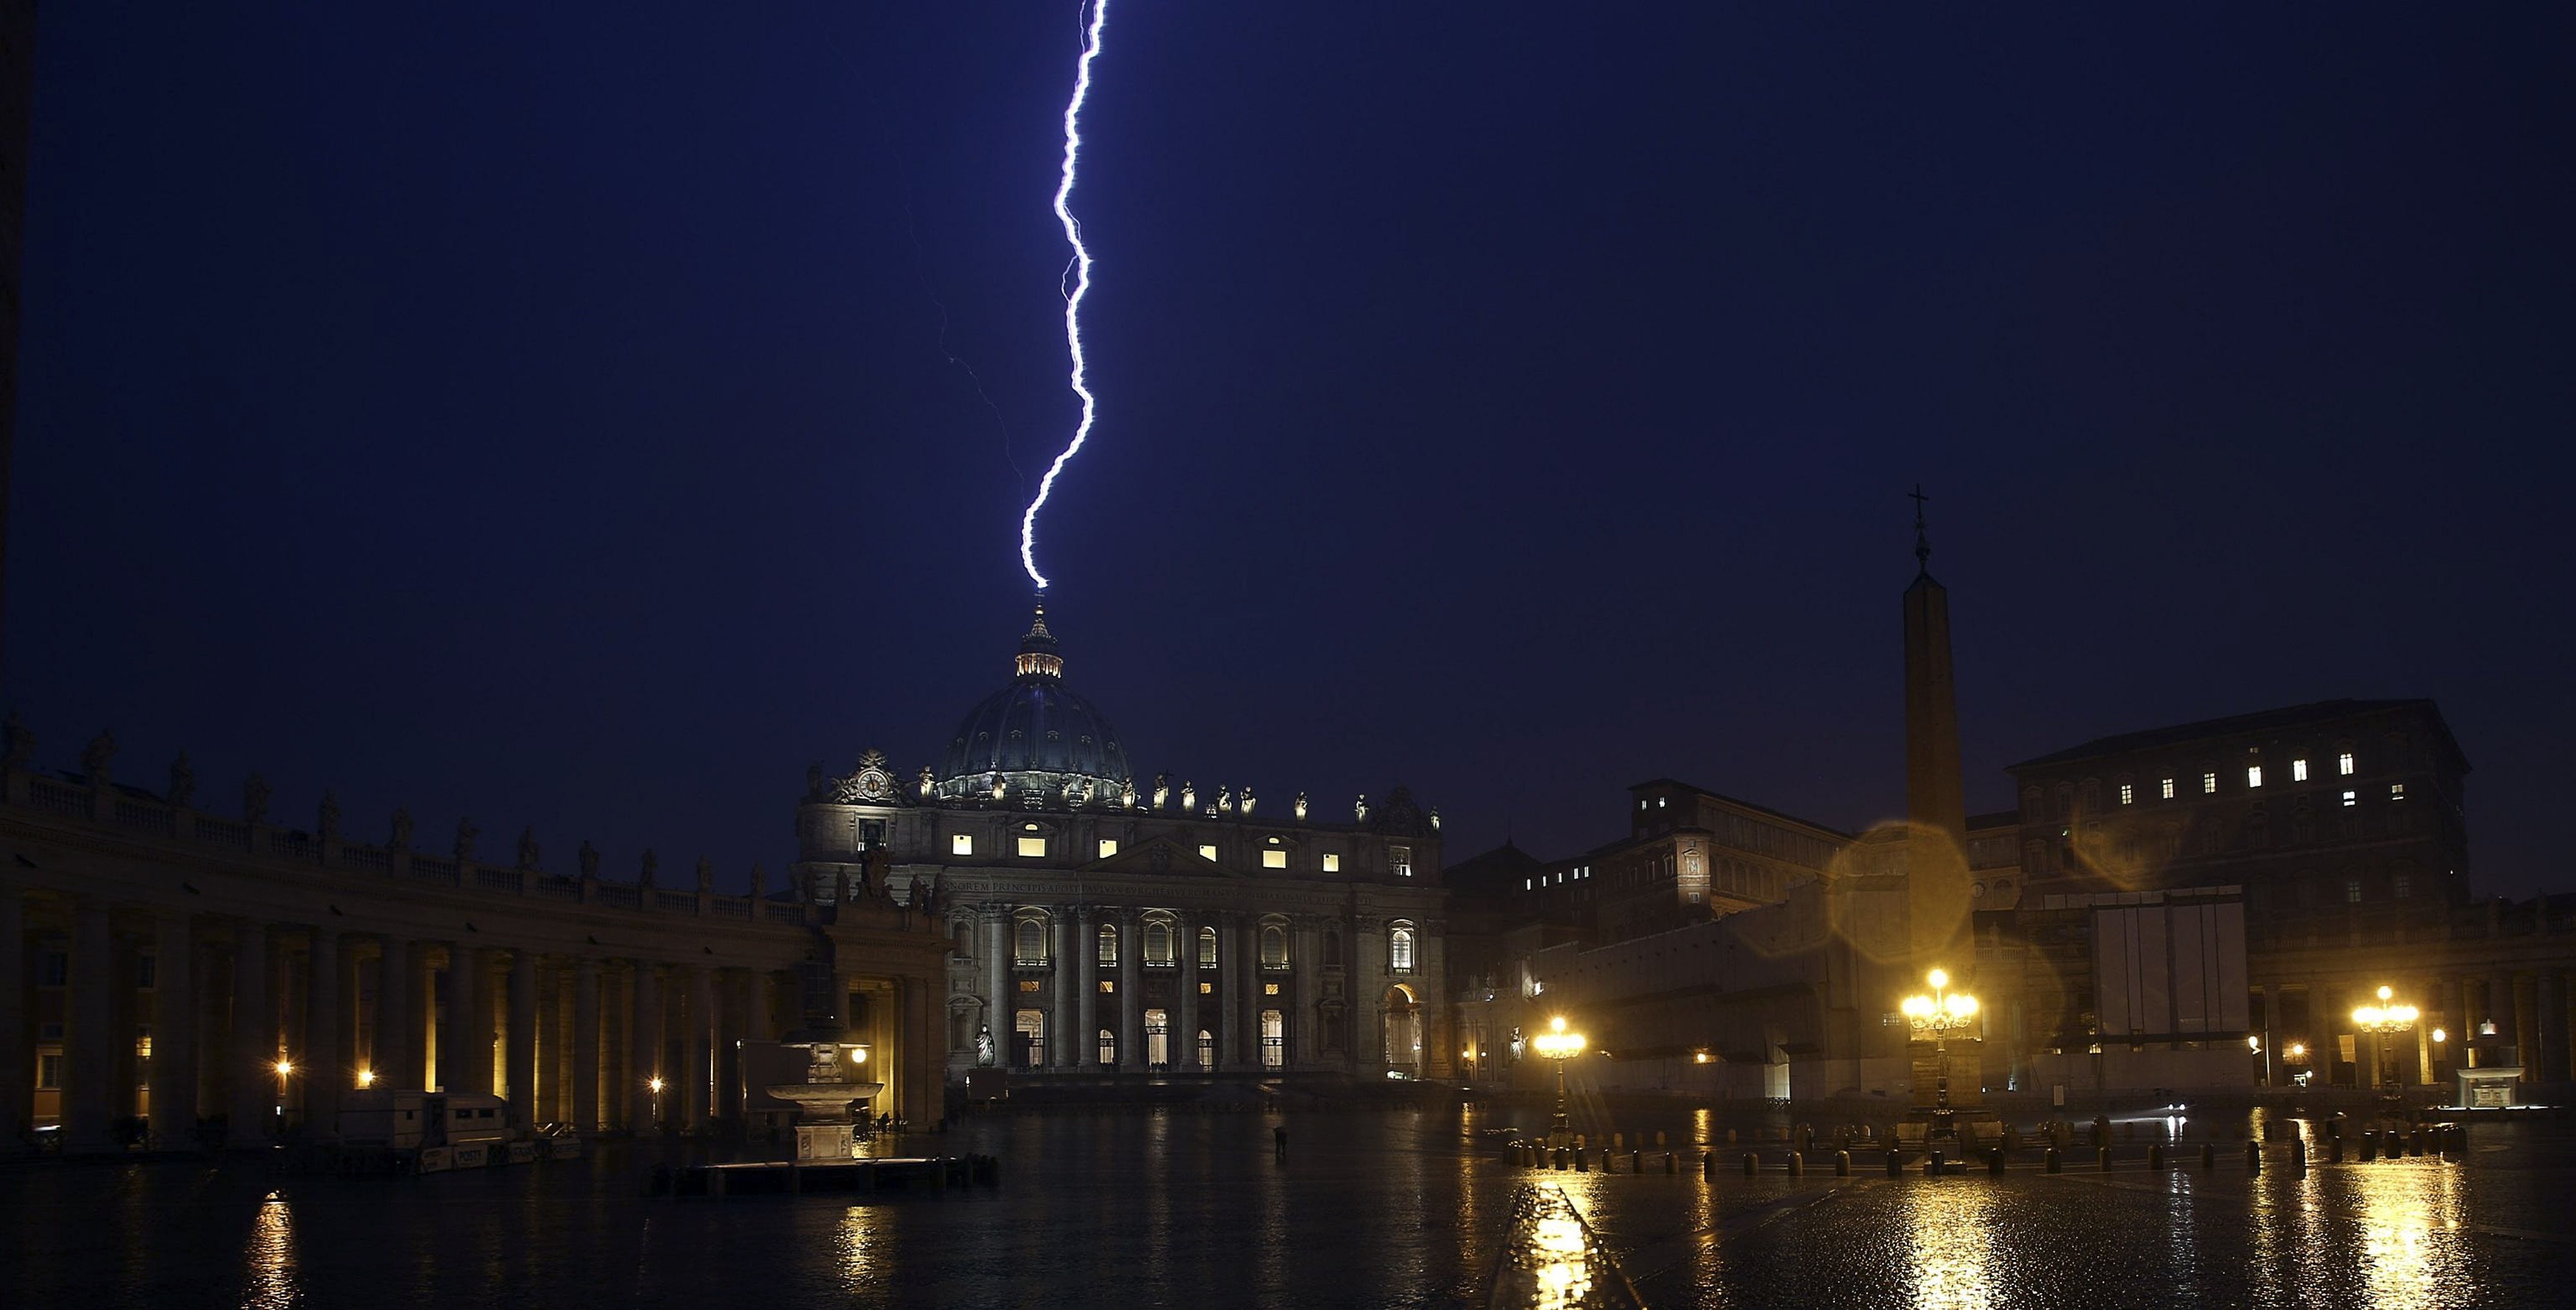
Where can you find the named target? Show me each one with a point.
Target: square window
(2298, 770)
(1107, 987)
(2254, 775)
(2343, 764)
(1207, 989)
(2352, 890)
(2352, 798)
(1270, 989)
(1207, 853)
(2168, 789)
(2401, 887)
(2127, 793)
(1400, 860)
(1108, 847)
(2397, 791)
(961, 844)
(1332, 862)
(2208, 784)
(1029, 985)
(1033, 848)
(146, 969)
(1274, 859)
(49, 1073)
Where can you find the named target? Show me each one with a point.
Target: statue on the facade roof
(589, 857)
(644, 878)
(1247, 802)
(759, 881)
(1077, 793)
(22, 743)
(528, 852)
(998, 789)
(183, 781)
(326, 819)
(401, 840)
(1224, 799)
(984, 1047)
(1301, 807)
(466, 832)
(1435, 818)
(706, 875)
(254, 799)
(1189, 797)
(97, 756)
(1162, 789)
(1127, 794)
(1360, 810)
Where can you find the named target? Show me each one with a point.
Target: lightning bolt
(1079, 271)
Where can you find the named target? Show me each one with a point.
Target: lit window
(1274, 947)
(1033, 848)
(1207, 989)
(2168, 789)
(1207, 948)
(2254, 775)
(1529, 884)
(2397, 791)
(1274, 859)
(1029, 984)
(1158, 944)
(2127, 793)
(1270, 989)
(961, 844)
(1108, 847)
(2352, 798)
(1659, 802)
(1207, 853)
(2352, 890)
(1641, 802)
(1108, 986)
(49, 1073)
(2343, 764)
(1028, 944)
(1108, 948)
(2298, 770)
(1332, 862)
(1399, 948)
(2401, 887)
(1400, 859)
(2208, 784)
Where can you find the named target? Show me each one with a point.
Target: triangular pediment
(1160, 857)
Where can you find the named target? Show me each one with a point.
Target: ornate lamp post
(1939, 1015)
(2380, 1021)
(1557, 1044)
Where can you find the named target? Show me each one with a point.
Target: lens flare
(1079, 271)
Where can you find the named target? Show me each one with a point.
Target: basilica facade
(1102, 925)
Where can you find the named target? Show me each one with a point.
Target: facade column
(585, 1046)
(1368, 993)
(1305, 964)
(1249, 1009)
(174, 1031)
(89, 1033)
(644, 1047)
(2455, 1010)
(17, 1063)
(1184, 1019)
(254, 1036)
(699, 1048)
(1060, 1047)
(2500, 1009)
(520, 1066)
(324, 1070)
(394, 1058)
(554, 1070)
(1086, 950)
(1131, 999)
(1229, 995)
(999, 1004)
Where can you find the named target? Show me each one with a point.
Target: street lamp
(1939, 1015)
(654, 1085)
(1557, 1044)
(2380, 1021)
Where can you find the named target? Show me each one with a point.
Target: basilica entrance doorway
(1403, 1031)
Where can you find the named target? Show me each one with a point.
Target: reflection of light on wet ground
(2407, 1255)
(1948, 1248)
(857, 1239)
(270, 1281)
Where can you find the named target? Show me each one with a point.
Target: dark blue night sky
(541, 412)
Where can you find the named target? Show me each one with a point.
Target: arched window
(1207, 1049)
(1158, 1039)
(1028, 943)
(1158, 943)
(1399, 948)
(1108, 1047)
(1029, 1029)
(1108, 946)
(1207, 948)
(1274, 946)
(962, 936)
(1333, 946)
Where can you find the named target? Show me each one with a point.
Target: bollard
(2055, 1165)
(2369, 1147)
(1637, 1161)
(2334, 1150)
(2415, 1141)
(1558, 1158)
(1895, 1162)
(2209, 1155)
(1708, 1165)
(2103, 1158)
(1994, 1159)
(1669, 1170)
(1579, 1143)
(1842, 1164)
(1797, 1164)
(2254, 1156)
(1932, 1163)
(2156, 1156)
(1582, 1161)
(1752, 1164)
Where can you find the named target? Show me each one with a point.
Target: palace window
(2352, 798)
(1028, 944)
(2352, 891)
(2401, 887)
(1399, 948)
(53, 969)
(961, 844)
(146, 968)
(2298, 770)
(1400, 860)
(1332, 862)
(2208, 784)
(1158, 1039)
(1333, 947)
(2128, 793)
(1158, 944)
(1207, 948)
(2253, 775)
(1033, 848)
(1208, 853)
(1274, 859)
(1108, 1047)
(1207, 1049)
(1108, 947)
(1274, 1039)
(1031, 1027)
(1270, 989)
(2396, 792)
(1108, 847)
(49, 1073)
(1274, 947)
(2168, 789)
(2343, 764)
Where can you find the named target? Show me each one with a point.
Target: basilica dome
(1034, 738)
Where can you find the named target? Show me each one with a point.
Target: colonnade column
(1131, 1000)
(644, 1047)
(15, 1059)
(520, 1065)
(254, 1036)
(395, 1060)
(1060, 1046)
(1086, 1028)
(998, 1002)
(585, 1046)
(699, 1049)
(324, 1070)
(174, 1030)
(89, 1032)
(1184, 1019)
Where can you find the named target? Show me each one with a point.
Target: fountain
(823, 1100)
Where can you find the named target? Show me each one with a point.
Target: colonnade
(2530, 1009)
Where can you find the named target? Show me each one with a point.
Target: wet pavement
(1377, 1209)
